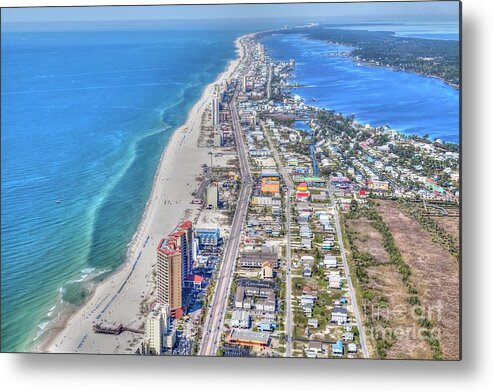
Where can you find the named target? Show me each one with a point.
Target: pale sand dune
(174, 181)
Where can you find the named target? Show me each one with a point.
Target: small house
(351, 348)
(339, 316)
(338, 349)
(313, 323)
(347, 337)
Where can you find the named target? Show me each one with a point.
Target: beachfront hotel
(158, 333)
(175, 267)
(215, 111)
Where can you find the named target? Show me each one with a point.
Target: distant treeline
(437, 58)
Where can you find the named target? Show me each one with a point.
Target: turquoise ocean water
(86, 113)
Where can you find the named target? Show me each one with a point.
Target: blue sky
(448, 9)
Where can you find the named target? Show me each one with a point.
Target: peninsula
(274, 228)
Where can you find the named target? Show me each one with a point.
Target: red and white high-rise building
(175, 267)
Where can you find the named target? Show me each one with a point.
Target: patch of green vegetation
(374, 300)
(439, 235)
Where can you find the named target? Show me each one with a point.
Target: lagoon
(409, 103)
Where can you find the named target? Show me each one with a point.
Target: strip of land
(119, 297)
(329, 231)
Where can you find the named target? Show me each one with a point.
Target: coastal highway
(214, 322)
(362, 336)
(290, 185)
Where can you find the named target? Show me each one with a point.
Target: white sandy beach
(118, 298)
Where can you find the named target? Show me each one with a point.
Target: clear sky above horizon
(446, 9)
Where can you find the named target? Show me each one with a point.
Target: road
(289, 312)
(290, 185)
(215, 318)
(357, 316)
(269, 83)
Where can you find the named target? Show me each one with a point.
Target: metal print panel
(196, 180)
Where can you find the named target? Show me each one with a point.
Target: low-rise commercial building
(248, 338)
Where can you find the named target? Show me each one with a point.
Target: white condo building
(244, 84)
(215, 111)
(158, 336)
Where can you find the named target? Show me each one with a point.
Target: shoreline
(367, 63)
(158, 219)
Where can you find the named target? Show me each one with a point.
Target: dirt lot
(435, 274)
(387, 280)
(367, 239)
(451, 225)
